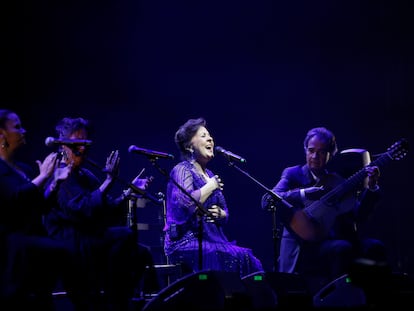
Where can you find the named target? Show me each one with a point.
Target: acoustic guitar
(315, 220)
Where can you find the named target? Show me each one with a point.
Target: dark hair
(67, 126)
(4, 117)
(324, 134)
(185, 133)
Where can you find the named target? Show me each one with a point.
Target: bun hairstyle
(184, 135)
(324, 134)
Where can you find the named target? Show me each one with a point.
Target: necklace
(200, 171)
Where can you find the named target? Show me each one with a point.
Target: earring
(4, 144)
(190, 153)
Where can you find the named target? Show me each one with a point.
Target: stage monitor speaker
(341, 292)
(291, 289)
(394, 290)
(262, 295)
(203, 291)
(276, 289)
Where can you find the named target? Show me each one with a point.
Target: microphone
(50, 141)
(229, 155)
(150, 153)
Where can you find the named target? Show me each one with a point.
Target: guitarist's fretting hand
(373, 173)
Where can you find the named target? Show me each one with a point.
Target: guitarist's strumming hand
(312, 193)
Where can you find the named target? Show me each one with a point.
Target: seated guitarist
(331, 254)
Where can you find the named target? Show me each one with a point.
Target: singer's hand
(112, 164)
(47, 167)
(216, 212)
(62, 172)
(212, 183)
(219, 183)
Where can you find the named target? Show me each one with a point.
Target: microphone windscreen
(49, 141)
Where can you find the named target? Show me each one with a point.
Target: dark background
(261, 72)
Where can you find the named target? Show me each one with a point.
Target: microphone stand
(132, 221)
(279, 201)
(200, 210)
(132, 193)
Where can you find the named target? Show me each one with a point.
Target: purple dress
(181, 242)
